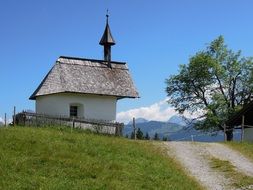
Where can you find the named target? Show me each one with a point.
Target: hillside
(152, 127)
(58, 158)
(176, 130)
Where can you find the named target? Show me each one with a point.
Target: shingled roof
(236, 119)
(87, 76)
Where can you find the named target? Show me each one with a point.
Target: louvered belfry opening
(107, 41)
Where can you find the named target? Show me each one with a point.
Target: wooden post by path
(242, 132)
(134, 128)
(5, 120)
(14, 116)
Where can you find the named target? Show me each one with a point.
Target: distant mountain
(153, 127)
(138, 120)
(178, 120)
(175, 131)
(200, 136)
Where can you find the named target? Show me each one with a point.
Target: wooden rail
(99, 126)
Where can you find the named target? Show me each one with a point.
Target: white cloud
(9, 121)
(160, 111)
(1, 120)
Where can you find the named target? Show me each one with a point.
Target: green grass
(238, 180)
(245, 148)
(57, 158)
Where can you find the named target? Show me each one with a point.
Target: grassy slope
(245, 148)
(46, 158)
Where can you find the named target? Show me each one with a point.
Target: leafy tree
(156, 137)
(139, 134)
(126, 136)
(215, 84)
(165, 138)
(147, 137)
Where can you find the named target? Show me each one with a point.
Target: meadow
(61, 158)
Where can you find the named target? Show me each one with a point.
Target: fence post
(5, 120)
(29, 121)
(36, 120)
(73, 123)
(121, 130)
(116, 130)
(134, 128)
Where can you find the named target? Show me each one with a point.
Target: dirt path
(193, 157)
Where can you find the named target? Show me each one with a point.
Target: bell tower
(107, 41)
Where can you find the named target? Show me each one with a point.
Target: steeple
(107, 41)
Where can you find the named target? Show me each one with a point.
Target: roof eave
(33, 97)
(236, 118)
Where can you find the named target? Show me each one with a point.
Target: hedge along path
(193, 156)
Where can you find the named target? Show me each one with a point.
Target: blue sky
(154, 37)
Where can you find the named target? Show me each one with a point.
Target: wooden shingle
(87, 76)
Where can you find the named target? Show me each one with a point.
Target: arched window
(73, 111)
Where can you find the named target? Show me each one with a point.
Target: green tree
(165, 138)
(147, 137)
(215, 84)
(139, 134)
(156, 137)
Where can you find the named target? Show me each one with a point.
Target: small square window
(73, 111)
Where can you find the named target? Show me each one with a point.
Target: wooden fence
(98, 126)
(242, 128)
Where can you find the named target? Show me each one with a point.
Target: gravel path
(193, 157)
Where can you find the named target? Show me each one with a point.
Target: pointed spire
(107, 38)
(107, 41)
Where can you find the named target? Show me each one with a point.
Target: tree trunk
(229, 135)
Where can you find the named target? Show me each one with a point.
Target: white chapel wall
(94, 106)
